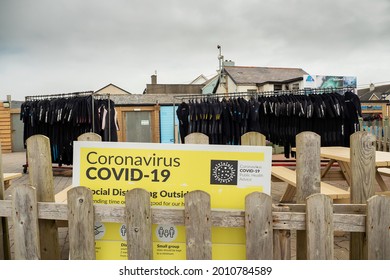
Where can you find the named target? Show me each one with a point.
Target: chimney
(154, 79)
(372, 87)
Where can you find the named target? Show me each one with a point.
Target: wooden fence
(267, 226)
(381, 130)
(319, 218)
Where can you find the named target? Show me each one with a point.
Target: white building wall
(246, 88)
(230, 87)
(227, 85)
(268, 87)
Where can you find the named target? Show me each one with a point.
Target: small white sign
(144, 122)
(166, 233)
(250, 173)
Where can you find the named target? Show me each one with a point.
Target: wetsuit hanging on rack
(183, 113)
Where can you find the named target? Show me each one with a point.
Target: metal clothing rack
(70, 95)
(75, 94)
(305, 91)
(61, 95)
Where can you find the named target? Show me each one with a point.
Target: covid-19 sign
(168, 172)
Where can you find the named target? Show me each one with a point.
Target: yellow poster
(168, 172)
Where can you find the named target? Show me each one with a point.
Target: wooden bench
(289, 176)
(8, 177)
(62, 196)
(384, 171)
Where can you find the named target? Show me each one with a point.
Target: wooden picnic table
(341, 155)
(8, 177)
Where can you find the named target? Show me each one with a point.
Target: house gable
(374, 92)
(112, 89)
(200, 80)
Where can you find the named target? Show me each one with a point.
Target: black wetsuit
(353, 111)
(183, 113)
(62, 120)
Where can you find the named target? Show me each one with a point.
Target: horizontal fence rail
(345, 217)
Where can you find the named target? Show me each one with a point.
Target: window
(277, 87)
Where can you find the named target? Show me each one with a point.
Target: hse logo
(223, 172)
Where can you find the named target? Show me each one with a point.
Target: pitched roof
(201, 79)
(367, 94)
(261, 75)
(112, 86)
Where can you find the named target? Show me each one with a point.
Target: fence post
(319, 227)
(377, 228)
(308, 177)
(81, 219)
(196, 138)
(89, 136)
(5, 253)
(41, 178)
(379, 139)
(197, 215)
(386, 132)
(25, 223)
(362, 157)
(281, 239)
(139, 225)
(253, 138)
(258, 226)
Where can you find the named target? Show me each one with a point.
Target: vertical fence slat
(258, 226)
(198, 225)
(319, 227)
(282, 244)
(362, 159)
(41, 178)
(281, 239)
(89, 136)
(81, 224)
(196, 138)
(386, 137)
(25, 223)
(308, 177)
(378, 228)
(139, 225)
(40, 167)
(5, 252)
(253, 138)
(380, 138)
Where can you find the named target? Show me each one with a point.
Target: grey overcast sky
(62, 46)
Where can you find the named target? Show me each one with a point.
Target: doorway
(138, 126)
(17, 133)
